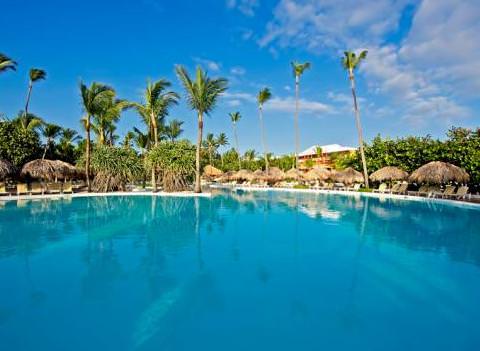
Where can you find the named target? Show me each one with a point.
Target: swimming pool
(239, 271)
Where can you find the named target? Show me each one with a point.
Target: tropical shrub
(175, 163)
(114, 167)
(18, 145)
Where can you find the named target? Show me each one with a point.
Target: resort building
(323, 155)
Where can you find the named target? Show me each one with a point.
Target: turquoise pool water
(241, 271)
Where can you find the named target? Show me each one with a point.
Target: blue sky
(422, 74)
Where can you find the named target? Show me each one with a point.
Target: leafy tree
(202, 96)
(153, 110)
(235, 118)
(66, 147)
(28, 121)
(175, 162)
(92, 99)
(263, 96)
(18, 145)
(7, 63)
(351, 62)
(173, 129)
(34, 75)
(298, 70)
(109, 111)
(50, 132)
(210, 144)
(222, 140)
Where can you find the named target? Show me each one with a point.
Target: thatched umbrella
(64, 170)
(294, 174)
(39, 169)
(437, 172)
(349, 176)
(226, 177)
(6, 169)
(243, 174)
(317, 173)
(258, 175)
(211, 171)
(274, 174)
(388, 173)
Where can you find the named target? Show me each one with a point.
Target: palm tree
(211, 145)
(155, 108)
(350, 62)
(235, 117)
(68, 137)
(109, 113)
(35, 75)
(92, 99)
(222, 140)
(263, 96)
(50, 132)
(142, 141)
(7, 63)
(250, 155)
(28, 121)
(298, 69)
(174, 129)
(202, 96)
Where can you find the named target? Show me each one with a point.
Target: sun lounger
(54, 188)
(401, 190)
(328, 186)
(449, 190)
(3, 190)
(422, 191)
(461, 193)
(37, 189)
(355, 187)
(382, 188)
(67, 188)
(22, 189)
(394, 188)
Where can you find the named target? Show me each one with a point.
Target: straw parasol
(388, 173)
(317, 173)
(438, 172)
(243, 174)
(274, 174)
(211, 171)
(64, 170)
(40, 169)
(294, 174)
(226, 177)
(6, 169)
(348, 176)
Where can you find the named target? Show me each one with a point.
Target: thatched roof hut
(348, 176)
(64, 170)
(293, 174)
(274, 174)
(388, 173)
(243, 174)
(39, 169)
(317, 173)
(226, 177)
(211, 171)
(437, 172)
(6, 169)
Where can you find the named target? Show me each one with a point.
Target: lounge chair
(461, 193)
(3, 190)
(67, 188)
(449, 190)
(37, 189)
(355, 187)
(402, 189)
(328, 186)
(394, 188)
(423, 190)
(54, 188)
(22, 189)
(382, 188)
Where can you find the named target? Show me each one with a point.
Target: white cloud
(423, 76)
(247, 7)
(238, 71)
(209, 64)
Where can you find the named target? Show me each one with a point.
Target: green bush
(18, 145)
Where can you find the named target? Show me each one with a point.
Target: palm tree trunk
(262, 131)
(29, 94)
(359, 127)
(45, 149)
(198, 187)
(297, 107)
(236, 144)
(87, 155)
(155, 138)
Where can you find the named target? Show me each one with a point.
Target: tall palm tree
(68, 137)
(142, 141)
(350, 62)
(263, 96)
(109, 113)
(222, 140)
(7, 63)
(50, 132)
(28, 121)
(235, 118)
(250, 155)
(202, 96)
(298, 70)
(92, 98)
(34, 75)
(210, 144)
(154, 109)
(173, 129)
